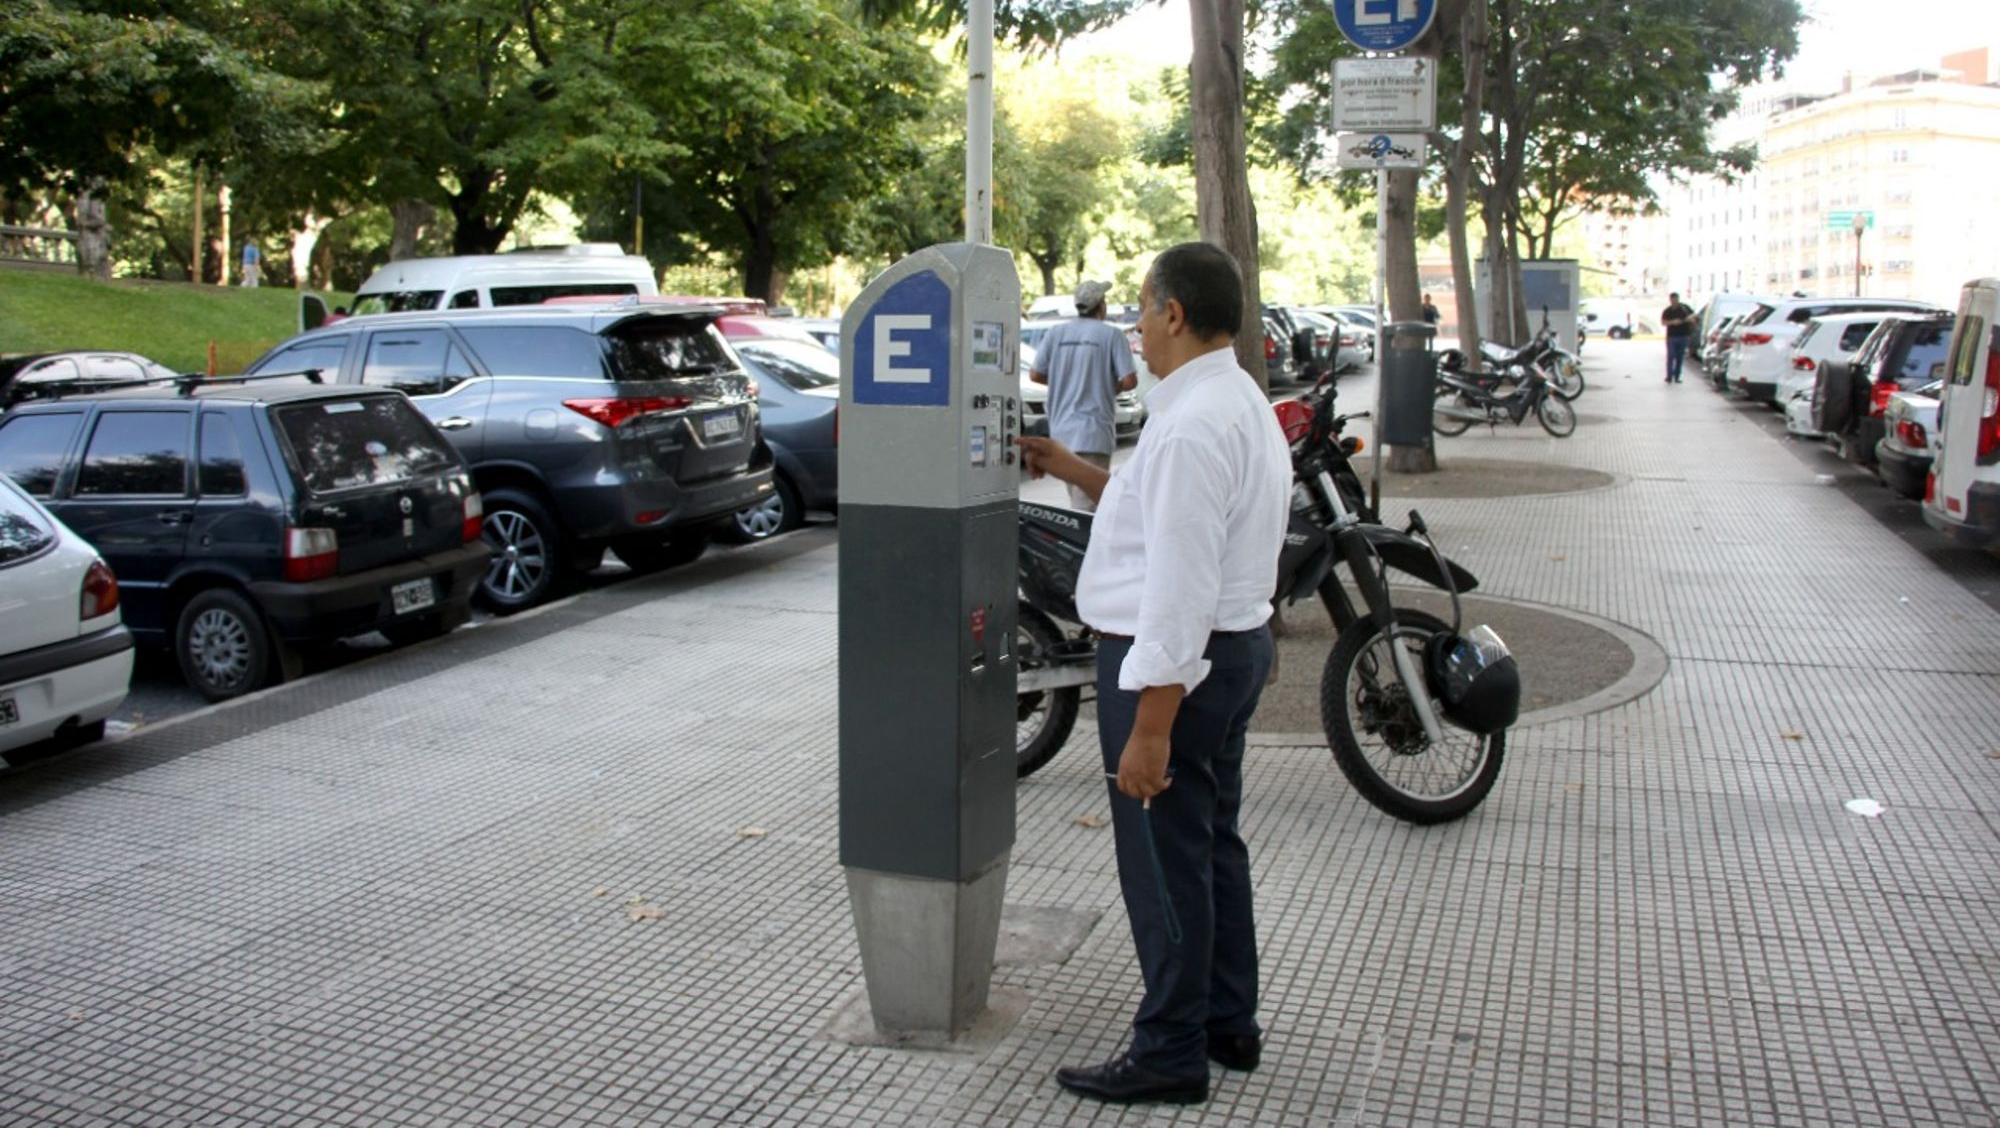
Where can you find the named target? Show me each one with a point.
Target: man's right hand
(1047, 456)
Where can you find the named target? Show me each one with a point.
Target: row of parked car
(1903, 387)
(380, 473)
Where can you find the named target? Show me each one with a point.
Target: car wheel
(655, 553)
(223, 646)
(781, 512)
(529, 559)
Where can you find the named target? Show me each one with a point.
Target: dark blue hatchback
(245, 521)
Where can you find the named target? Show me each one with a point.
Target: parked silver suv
(586, 427)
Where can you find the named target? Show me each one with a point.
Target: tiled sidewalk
(406, 890)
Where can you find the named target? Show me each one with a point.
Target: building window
(1899, 156)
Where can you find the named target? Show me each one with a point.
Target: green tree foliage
(471, 105)
(777, 121)
(87, 88)
(1054, 184)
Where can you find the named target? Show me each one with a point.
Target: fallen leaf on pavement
(1573, 788)
(645, 912)
(752, 832)
(1090, 822)
(600, 891)
(1792, 734)
(1994, 755)
(1559, 557)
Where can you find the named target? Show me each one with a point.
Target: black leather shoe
(1240, 1052)
(1122, 1081)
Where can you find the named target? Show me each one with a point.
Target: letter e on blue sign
(1384, 25)
(903, 355)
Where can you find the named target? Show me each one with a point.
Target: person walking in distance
(1679, 321)
(1177, 581)
(1085, 362)
(1431, 314)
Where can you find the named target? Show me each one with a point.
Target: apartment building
(1918, 152)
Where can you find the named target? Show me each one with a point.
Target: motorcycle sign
(1380, 150)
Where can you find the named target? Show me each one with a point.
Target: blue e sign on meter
(1384, 25)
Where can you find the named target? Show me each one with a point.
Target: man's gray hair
(1205, 280)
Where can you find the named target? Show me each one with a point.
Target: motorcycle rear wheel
(1451, 424)
(1379, 743)
(1043, 718)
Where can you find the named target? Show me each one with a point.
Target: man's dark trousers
(1677, 347)
(1207, 982)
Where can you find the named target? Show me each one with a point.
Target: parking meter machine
(929, 407)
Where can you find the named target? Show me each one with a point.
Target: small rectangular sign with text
(1385, 94)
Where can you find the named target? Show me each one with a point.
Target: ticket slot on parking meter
(929, 407)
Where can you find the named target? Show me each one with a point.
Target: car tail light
(1987, 450)
(1930, 488)
(474, 519)
(310, 554)
(1756, 338)
(1911, 434)
(100, 591)
(1879, 395)
(1803, 363)
(613, 410)
(1270, 347)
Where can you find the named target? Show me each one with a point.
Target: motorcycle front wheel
(1377, 739)
(1042, 719)
(1566, 377)
(1557, 416)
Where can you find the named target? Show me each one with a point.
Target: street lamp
(1860, 225)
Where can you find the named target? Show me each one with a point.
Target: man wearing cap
(1085, 362)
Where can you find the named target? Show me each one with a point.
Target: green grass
(171, 322)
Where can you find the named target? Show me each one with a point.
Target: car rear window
(32, 448)
(800, 366)
(1757, 316)
(350, 443)
(667, 348)
(1924, 359)
(23, 533)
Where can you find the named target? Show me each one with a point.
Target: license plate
(414, 595)
(721, 425)
(8, 713)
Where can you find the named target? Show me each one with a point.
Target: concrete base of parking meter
(927, 947)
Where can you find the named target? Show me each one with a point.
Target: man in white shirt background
(1178, 582)
(1085, 362)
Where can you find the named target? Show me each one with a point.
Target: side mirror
(312, 311)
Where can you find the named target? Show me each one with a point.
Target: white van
(1962, 498)
(524, 277)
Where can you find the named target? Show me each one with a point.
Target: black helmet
(1474, 678)
(1451, 360)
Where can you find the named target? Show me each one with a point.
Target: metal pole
(638, 214)
(1381, 331)
(979, 122)
(1860, 225)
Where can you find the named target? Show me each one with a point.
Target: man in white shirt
(1178, 582)
(1085, 362)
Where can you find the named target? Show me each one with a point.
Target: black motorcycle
(1377, 705)
(1465, 398)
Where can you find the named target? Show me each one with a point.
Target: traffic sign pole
(1381, 332)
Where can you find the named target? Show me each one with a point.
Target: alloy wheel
(220, 648)
(520, 558)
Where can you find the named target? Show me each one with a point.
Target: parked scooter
(1503, 365)
(1405, 738)
(1474, 397)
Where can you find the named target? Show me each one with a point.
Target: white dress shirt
(1187, 533)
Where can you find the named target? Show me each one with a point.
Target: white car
(66, 658)
(1765, 337)
(1833, 337)
(1909, 442)
(1962, 495)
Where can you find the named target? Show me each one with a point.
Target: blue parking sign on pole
(1384, 25)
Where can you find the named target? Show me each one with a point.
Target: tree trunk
(222, 231)
(411, 218)
(760, 265)
(1499, 295)
(1472, 42)
(304, 241)
(93, 231)
(200, 242)
(1047, 265)
(1224, 212)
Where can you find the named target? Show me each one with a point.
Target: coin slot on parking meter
(928, 519)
